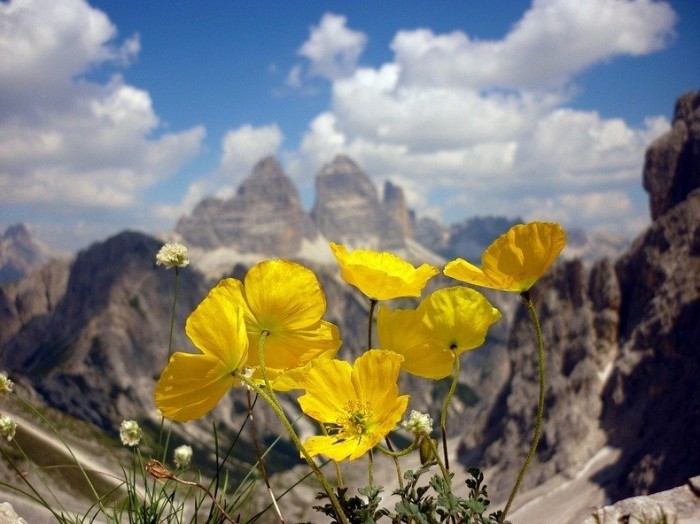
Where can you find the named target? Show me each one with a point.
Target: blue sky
(125, 114)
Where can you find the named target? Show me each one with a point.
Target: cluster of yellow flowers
(268, 333)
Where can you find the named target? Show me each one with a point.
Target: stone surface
(680, 505)
(672, 163)
(395, 205)
(578, 309)
(621, 339)
(264, 217)
(348, 209)
(8, 515)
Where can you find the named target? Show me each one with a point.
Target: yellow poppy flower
(515, 260)
(285, 301)
(381, 276)
(358, 405)
(193, 383)
(403, 331)
(445, 324)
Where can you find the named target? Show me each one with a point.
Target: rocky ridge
(620, 335)
(621, 338)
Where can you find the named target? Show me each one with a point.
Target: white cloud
(242, 148)
(555, 40)
(332, 49)
(482, 127)
(68, 142)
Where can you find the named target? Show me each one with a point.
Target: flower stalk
(527, 299)
(445, 407)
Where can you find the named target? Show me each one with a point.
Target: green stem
(372, 305)
(395, 455)
(436, 454)
(276, 407)
(446, 405)
(172, 312)
(540, 403)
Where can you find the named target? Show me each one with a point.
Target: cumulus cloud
(67, 141)
(554, 40)
(244, 147)
(486, 127)
(332, 49)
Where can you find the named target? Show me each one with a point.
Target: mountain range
(621, 331)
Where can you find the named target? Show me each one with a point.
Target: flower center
(357, 419)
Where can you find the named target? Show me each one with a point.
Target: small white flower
(130, 433)
(418, 423)
(172, 255)
(6, 385)
(246, 375)
(182, 455)
(8, 427)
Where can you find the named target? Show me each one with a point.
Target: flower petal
(515, 260)
(329, 389)
(404, 332)
(336, 449)
(191, 385)
(381, 276)
(374, 377)
(284, 295)
(217, 328)
(287, 349)
(458, 318)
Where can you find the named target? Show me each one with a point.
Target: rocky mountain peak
(268, 182)
(348, 208)
(396, 207)
(264, 217)
(17, 233)
(20, 253)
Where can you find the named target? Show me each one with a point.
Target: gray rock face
(8, 515)
(680, 505)
(396, 207)
(348, 209)
(33, 298)
(578, 310)
(621, 341)
(107, 335)
(672, 163)
(264, 217)
(432, 234)
(652, 406)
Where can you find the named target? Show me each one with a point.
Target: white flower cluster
(418, 423)
(6, 385)
(182, 455)
(8, 427)
(130, 433)
(172, 254)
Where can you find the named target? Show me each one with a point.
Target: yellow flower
(285, 301)
(381, 276)
(515, 260)
(358, 405)
(447, 323)
(193, 383)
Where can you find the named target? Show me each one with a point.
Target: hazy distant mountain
(20, 253)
